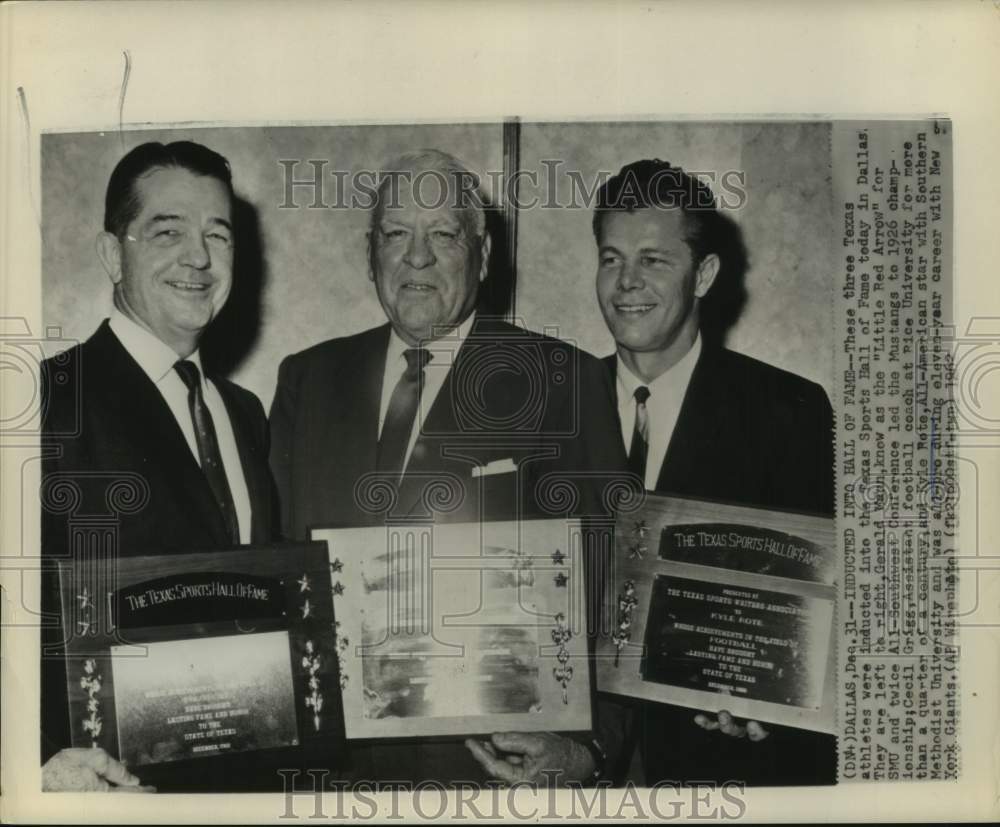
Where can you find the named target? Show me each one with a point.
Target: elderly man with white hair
(436, 395)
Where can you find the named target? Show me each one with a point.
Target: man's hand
(88, 770)
(532, 757)
(727, 725)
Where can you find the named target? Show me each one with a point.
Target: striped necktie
(208, 447)
(640, 434)
(396, 429)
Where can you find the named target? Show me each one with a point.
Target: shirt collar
(454, 340)
(672, 382)
(154, 357)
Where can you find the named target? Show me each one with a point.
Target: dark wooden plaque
(183, 656)
(714, 606)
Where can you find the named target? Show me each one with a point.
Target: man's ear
(109, 251)
(485, 252)
(708, 269)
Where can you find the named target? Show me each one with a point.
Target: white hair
(468, 193)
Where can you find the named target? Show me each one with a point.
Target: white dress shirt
(157, 361)
(443, 351)
(666, 395)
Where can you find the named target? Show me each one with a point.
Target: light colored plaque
(460, 629)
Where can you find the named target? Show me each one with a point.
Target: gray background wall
(304, 276)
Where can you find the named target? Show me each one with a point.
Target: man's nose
(196, 252)
(418, 252)
(630, 276)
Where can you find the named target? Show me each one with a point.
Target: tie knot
(189, 373)
(641, 394)
(416, 359)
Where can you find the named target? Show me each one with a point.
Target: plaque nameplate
(197, 597)
(189, 698)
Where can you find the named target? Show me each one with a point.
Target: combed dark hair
(121, 203)
(655, 183)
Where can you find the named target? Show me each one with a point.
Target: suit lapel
(444, 429)
(701, 418)
(611, 364)
(145, 414)
(358, 408)
(444, 424)
(441, 420)
(252, 463)
(439, 430)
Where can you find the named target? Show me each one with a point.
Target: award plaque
(460, 629)
(186, 656)
(716, 606)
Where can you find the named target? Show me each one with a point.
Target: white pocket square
(499, 466)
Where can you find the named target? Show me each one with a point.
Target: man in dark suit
(134, 430)
(702, 421)
(464, 416)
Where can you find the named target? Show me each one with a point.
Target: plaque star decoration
(336, 566)
(636, 551)
(561, 580)
(338, 588)
(86, 622)
(640, 529)
(304, 583)
(558, 557)
(306, 609)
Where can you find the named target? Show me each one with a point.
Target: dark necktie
(208, 447)
(402, 410)
(640, 434)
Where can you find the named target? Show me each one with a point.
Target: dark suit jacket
(105, 421)
(509, 394)
(752, 434)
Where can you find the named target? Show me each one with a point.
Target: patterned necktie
(208, 447)
(640, 434)
(402, 410)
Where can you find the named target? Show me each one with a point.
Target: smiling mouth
(189, 286)
(634, 309)
(418, 286)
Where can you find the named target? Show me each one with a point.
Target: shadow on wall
(232, 336)
(497, 290)
(722, 307)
